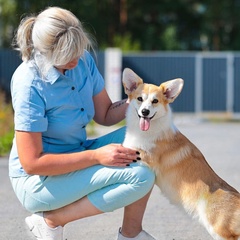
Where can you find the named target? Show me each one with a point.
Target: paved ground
(219, 142)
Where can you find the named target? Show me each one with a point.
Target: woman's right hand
(35, 162)
(115, 155)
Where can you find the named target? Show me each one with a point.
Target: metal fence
(212, 79)
(9, 60)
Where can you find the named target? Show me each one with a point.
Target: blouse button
(82, 109)
(73, 88)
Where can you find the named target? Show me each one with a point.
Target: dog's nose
(145, 112)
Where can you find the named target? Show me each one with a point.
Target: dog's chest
(138, 142)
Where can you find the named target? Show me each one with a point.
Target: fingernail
(138, 158)
(137, 152)
(127, 165)
(134, 160)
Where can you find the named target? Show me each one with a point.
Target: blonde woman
(56, 172)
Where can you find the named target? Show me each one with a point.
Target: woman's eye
(140, 99)
(155, 101)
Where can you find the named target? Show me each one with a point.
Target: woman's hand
(115, 155)
(34, 161)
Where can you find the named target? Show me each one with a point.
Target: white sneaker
(141, 236)
(41, 230)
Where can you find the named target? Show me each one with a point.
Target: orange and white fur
(182, 173)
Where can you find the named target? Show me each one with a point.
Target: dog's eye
(140, 99)
(155, 101)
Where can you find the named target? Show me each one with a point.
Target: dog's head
(149, 101)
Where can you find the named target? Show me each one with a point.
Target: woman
(56, 173)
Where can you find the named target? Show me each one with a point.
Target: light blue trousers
(107, 188)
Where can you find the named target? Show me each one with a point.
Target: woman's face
(72, 64)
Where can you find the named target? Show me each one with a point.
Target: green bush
(6, 143)
(6, 125)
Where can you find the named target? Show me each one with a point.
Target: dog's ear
(172, 88)
(130, 81)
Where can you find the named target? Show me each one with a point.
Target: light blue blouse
(59, 106)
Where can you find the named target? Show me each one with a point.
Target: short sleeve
(98, 81)
(28, 105)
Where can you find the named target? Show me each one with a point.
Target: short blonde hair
(56, 34)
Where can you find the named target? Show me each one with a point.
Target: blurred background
(153, 25)
(198, 41)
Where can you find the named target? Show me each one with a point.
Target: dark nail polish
(137, 152)
(134, 160)
(127, 165)
(138, 158)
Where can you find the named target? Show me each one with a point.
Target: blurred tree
(143, 25)
(7, 10)
(185, 24)
(99, 17)
(221, 24)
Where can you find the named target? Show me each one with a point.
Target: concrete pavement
(219, 142)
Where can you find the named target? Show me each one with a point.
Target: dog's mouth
(144, 122)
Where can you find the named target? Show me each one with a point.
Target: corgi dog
(182, 173)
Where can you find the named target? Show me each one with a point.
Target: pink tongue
(144, 124)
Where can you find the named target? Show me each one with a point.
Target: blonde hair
(54, 37)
